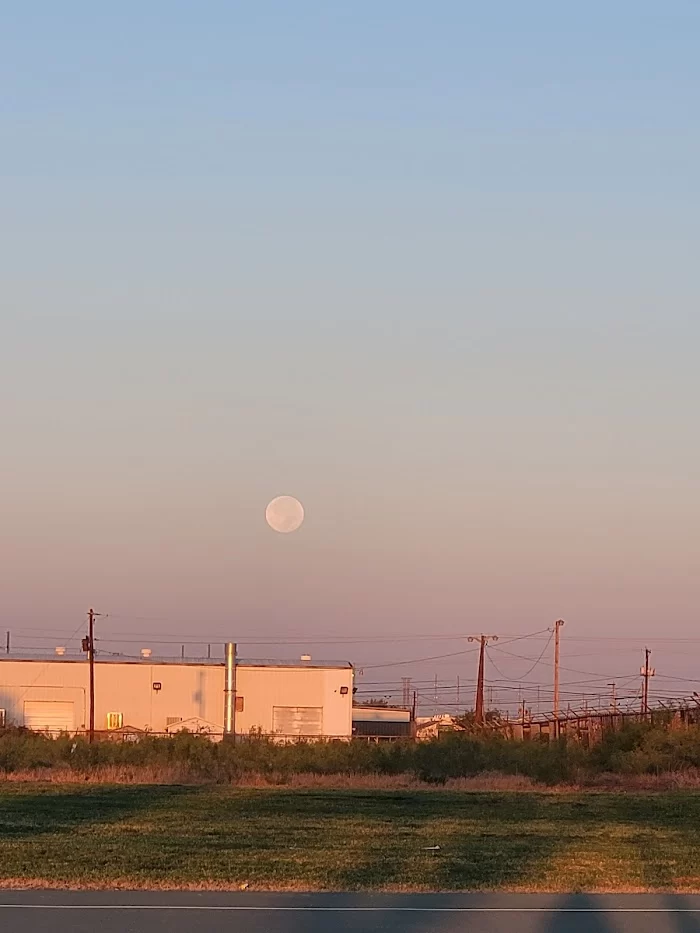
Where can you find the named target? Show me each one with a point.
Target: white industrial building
(276, 698)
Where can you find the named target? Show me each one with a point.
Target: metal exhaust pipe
(230, 692)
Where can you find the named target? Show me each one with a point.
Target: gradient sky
(431, 268)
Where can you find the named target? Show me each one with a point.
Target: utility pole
(458, 699)
(7, 644)
(479, 704)
(406, 688)
(89, 647)
(557, 625)
(614, 699)
(646, 673)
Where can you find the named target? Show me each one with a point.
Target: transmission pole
(479, 704)
(557, 625)
(89, 646)
(646, 673)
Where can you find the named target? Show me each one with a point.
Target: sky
(429, 268)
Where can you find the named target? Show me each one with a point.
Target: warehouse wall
(186, 691)
(264, 689)
(33, 681)
(268, 695)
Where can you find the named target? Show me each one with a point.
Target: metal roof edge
(179, 662)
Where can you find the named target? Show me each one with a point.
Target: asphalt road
(182, 912)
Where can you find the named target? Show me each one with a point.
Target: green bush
(638, 748)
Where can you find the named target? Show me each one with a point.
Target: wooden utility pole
(646, 673)
(479, 703)
(557, 625)
(614, 699)
(91, 658)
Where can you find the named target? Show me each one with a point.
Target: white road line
(387, 909)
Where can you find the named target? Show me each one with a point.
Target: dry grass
(180, 774)
(482, 782)
(686, 886)
(105, 774)
(688, 779)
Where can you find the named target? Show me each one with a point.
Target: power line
(436, 657)
(528, 672)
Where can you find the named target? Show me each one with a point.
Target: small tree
(467, 721)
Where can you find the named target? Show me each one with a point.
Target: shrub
(637, 749)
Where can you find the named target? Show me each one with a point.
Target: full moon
(284, 514)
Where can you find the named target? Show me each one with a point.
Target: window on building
(239, 704)
(115, 720)
(171, 720)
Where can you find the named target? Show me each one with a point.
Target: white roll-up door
(297, 720)
(49, 716)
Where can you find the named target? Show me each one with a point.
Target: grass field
(266, 838)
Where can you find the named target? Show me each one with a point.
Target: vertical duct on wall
(230, 692)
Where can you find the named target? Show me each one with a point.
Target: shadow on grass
(332, 839)
(674, 810)
(36, 812)
(389, 836)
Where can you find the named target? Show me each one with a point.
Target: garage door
(49, 716)
(297, 720)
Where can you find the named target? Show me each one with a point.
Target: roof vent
(60, 651)
(145, 653)
(306, 657)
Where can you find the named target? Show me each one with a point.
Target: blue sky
(431, 268)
